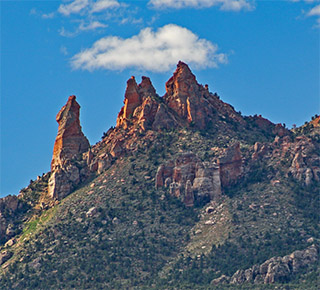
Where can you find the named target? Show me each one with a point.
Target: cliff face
(186, 103)
(142, 108)
(70, 140)
(70, 143)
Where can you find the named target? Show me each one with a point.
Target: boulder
(91, 212)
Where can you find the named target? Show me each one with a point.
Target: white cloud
(65, 33)
(48, 16)
(150, 50)
(91, 26)
(315, 11)
(232, 5)
(78, 6)
(73, 8)
(101, 5)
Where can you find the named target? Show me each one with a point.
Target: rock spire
(70, 140)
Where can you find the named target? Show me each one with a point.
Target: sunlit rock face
(70, 140)
(70, 143)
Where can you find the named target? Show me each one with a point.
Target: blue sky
(260, 56)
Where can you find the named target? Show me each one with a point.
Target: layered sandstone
(143, 109)
(186, 97)
(190, 179)
(185, 103)
(70, 140)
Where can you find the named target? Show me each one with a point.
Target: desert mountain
(183, 193)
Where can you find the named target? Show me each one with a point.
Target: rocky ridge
(186, 103)
(274, 270)
(168, 133)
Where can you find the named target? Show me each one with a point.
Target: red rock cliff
(70, 139)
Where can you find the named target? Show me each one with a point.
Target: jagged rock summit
(185, 103)
(70, 140)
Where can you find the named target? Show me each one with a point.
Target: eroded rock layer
(70, 140)
(70, 143)
(190, 179)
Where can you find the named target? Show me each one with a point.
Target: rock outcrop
(70, 140)
(185, 103)
(70, 143)
(260, 150)
(189, 178)
(276, 269)
(300, 156)
(205, 179)
(193, 102)
(142, 108)
(269, 127)
(9, 206)
(230, 165)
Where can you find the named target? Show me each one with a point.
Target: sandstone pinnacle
(70, 140)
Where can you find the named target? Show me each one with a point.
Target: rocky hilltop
(184, 191)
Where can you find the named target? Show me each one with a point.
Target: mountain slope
(182, 191)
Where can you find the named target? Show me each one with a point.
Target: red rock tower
(70, 140)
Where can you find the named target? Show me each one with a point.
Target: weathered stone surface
(188, 196)
(267, 126)
(9, 202)
(260, 150)
(9, 207)
(146, 88)
(146, 113)
(163, 119)
(63, 180)
(92, 212)
(274, 270)
(186, 97)
(185, 103)
(138, 103)
(189, 178)
(230, 165)
(221, 280)
(59, 186)
(70, 140)
(303, 155)
(132, 98)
